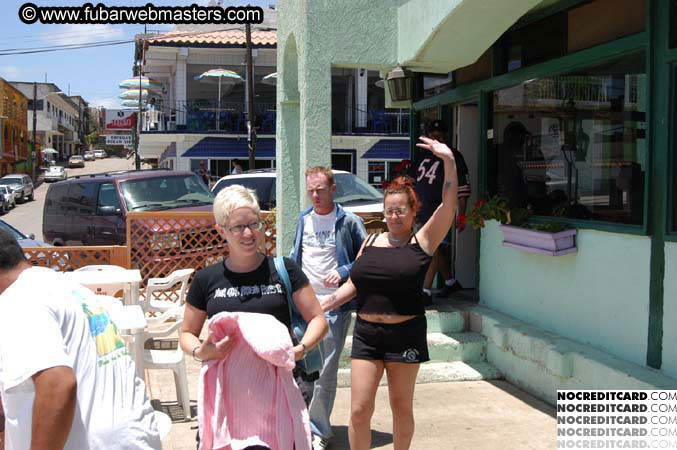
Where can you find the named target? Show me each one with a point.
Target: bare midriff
(385, 318)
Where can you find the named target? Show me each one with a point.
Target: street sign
(119, 119)
(119, 139)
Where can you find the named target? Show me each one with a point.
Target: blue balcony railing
(376, 121)
(209, 116)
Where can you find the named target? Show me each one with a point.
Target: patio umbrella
(132, 103)
(49, 151)
(133, 94)
(146, 83)
(219, 76)
(270, 79)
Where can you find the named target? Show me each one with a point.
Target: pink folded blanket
(250, 397)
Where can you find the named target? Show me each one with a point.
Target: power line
(66, 48)
(30, 50)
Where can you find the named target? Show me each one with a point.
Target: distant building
(14, 155)
(57, 117)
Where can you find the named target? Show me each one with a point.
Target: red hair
(403, 185)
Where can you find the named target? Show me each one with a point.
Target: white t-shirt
(47, 321)
(319, 249)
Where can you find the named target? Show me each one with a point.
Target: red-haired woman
(387, 277)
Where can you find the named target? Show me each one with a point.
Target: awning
(230, 147)
(389, 149)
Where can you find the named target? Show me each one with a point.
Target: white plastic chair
(100, 268)
(109, 289)
(157, 303)
(169, 359)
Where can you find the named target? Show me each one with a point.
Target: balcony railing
(208, 116)
(377, 121)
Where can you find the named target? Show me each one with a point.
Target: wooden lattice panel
(71, 258)
(161, 242)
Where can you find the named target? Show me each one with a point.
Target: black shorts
(400, 342)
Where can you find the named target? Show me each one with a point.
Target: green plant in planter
(496, 208)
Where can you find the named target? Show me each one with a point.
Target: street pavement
(27, 217)
(467, 415)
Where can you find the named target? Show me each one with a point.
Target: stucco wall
(670, 311)
(598, 295)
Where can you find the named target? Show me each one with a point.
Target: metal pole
(34, 169)
(137, 158)
(251, 130)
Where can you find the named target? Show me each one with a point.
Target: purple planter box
(542, 242)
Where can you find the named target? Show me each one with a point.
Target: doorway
(466, 122)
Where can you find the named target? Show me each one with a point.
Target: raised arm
(433, 231)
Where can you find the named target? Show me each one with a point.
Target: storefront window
(574, 145)
(379, 172)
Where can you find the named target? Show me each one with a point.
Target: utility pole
(34, 169)
(137, 158)
(251, 123)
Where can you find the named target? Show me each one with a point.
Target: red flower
(479, 203)
(461, 221)
(481, 221)
(384, 184)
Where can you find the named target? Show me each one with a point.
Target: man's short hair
(326, 171)
(10, 251)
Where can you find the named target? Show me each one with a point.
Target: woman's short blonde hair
(231, 198)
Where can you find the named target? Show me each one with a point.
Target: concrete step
(441, 319)
(436, 372)
(443, 347)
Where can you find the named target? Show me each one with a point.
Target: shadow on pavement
(340, 439)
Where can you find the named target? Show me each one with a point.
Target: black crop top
(389, 280)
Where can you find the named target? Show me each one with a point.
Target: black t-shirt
(216, 289)
(428, 174)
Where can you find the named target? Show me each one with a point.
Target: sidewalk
(473, 415)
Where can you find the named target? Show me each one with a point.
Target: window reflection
(574, 145)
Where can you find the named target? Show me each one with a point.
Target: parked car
(21, 186)
(99, 154)
(92, 209)
(7, 199)
(89, 156)
(76, 161)
(353, 193)
(56, 173)
(24, 241)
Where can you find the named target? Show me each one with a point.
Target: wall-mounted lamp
(400, 83)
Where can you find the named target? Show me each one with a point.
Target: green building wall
(670, 311)
(597, 296)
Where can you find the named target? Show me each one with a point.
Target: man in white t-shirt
(66, 378)
(327, 241)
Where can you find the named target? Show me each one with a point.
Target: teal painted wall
(670, 311)
(598, 295)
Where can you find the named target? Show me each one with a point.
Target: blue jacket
(350, 233)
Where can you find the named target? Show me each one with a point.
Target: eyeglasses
(390, 212)
(239, 229)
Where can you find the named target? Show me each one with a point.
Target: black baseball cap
(437, 125)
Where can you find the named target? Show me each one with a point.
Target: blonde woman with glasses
(246, 281)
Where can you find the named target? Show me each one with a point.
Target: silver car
(7, 199)
(56, 173)
(21, 186)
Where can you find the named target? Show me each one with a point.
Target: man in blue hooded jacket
(326, 244)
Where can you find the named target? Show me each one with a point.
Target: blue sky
(93, 73)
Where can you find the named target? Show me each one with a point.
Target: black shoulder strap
(370, 240)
